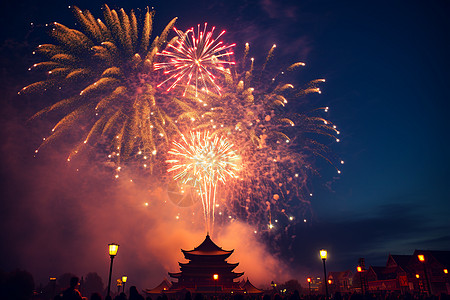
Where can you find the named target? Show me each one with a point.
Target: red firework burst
(194, 58)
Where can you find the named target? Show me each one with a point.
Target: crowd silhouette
(19, 285)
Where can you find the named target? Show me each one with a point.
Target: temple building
(207, 272)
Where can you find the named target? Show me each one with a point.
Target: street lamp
(309, 285)
(113, 248)
(421, 258)
(359, 269)
(53, 281)
(323, 256)
(124, 280)
(215, 277)
(119, 285)
(419, 284)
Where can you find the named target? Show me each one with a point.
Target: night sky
(387, 69)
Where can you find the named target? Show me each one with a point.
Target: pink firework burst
(193, 59)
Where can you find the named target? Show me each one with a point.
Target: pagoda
(207, 270)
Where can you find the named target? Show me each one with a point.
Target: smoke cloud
(61, 216)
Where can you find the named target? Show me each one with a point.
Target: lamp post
(421, 258)
(419, 284)
(119, 285)
(359, 269)
(323, 256)
(124, 280)
(53, 281)
(309, 285)
(113, 248)
(215, 277)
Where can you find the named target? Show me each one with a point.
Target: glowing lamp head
(323, 254)
(330, 281)
(124, 279)
(421, 257)
(446, 271)
(308, 279)
(417, 276)
(216, 276)
(52, 278)
(113, 248)
(359, 269)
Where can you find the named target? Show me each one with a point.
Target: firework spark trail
(194, 59)
(105, 81)
(202, 160)
(277, 140)
(102, 75)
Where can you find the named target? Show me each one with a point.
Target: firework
(194, 59)
(104, 78)
(278, 138)
(202, 160)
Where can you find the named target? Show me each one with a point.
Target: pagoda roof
(165, 285)
(223, 265)
(175, 275)
(207, 247)
(250, 288)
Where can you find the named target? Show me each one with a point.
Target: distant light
(421, 257)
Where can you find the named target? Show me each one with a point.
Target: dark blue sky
(387, 69)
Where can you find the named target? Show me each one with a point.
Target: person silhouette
(134, 294)
(72, 292)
